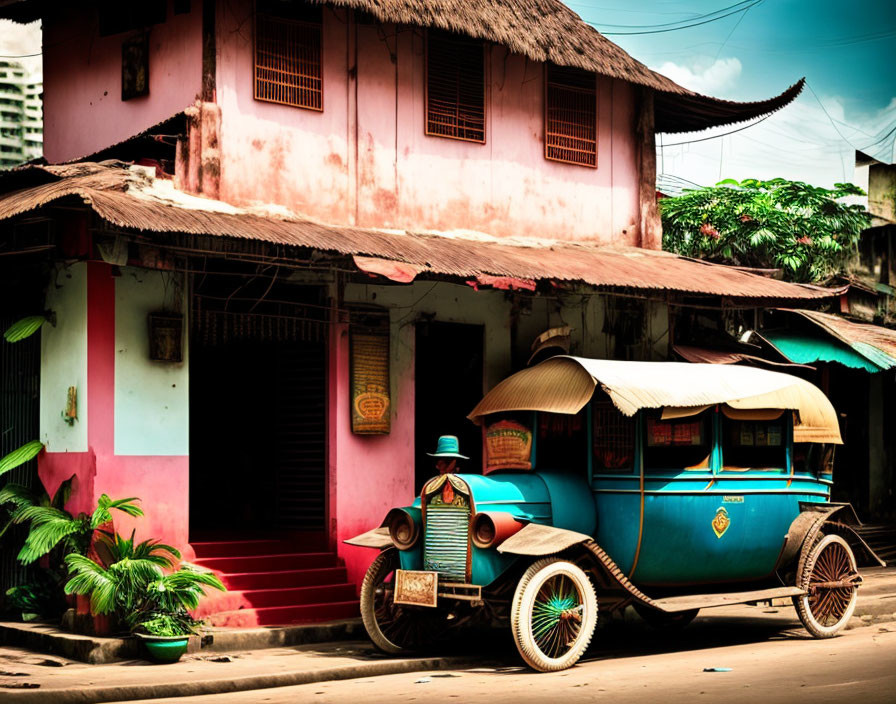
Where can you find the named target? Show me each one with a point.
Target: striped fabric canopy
(566, 384)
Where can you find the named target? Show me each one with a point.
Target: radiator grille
(446, 540)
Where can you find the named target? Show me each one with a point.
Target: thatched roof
(542, 30)
(548, 30)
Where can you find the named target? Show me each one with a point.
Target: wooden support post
(650, 225)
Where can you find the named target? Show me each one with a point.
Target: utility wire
(725, 134)
(684, 26)
(670, 24)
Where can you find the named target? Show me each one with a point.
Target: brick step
(285, 615)
(284, 579)
(216, 602)
(270, 563)
(242, 548)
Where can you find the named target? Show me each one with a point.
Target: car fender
(815, 518)
(538, 540)
(379, 538)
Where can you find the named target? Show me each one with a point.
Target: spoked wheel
(831, 580)
(665, 621)
(394, 628)
(554, 614)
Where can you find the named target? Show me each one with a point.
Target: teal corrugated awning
(804, 348)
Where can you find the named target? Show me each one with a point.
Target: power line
(670, 24)
(824, 110)
(717, 136)
(731, 33)
(684, 26)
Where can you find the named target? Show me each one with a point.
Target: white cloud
(21, 40)
(706, 78)
(799, 142)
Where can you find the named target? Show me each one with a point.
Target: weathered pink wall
(366, 160)
(160, 482)
(369, 475)
(83, 109)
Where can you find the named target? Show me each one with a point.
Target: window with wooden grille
(570, 116)
(455, 87)
(613, 438)
(288, 67)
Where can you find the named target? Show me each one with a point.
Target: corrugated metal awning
(134, 200)
(808, 348)
(705, 355)
(875, 343)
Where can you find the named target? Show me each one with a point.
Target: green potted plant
(137, 585)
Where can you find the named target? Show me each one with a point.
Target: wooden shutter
(455, 87)
(570, 116)
(288, 66)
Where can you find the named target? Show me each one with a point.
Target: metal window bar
(613, 438)
(570, 116)
(19, 409)
(288, 67)
(455, 87)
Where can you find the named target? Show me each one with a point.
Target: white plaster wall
(151, 398)
(63, 361)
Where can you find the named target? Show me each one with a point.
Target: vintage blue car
(669, 487)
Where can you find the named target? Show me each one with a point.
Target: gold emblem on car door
(721, 522)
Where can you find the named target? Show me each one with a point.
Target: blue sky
(846, 50)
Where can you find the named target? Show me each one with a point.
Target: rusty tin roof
(132, 199)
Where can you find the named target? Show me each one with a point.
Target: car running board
(707, 601)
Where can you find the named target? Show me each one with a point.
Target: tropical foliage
(20, 456)
(807, 231)
(51, 526)
(130, 582)
(24, 328)
(53, 532)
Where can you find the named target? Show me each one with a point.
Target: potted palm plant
(137, 585)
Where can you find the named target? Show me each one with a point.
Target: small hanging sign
(370, 384)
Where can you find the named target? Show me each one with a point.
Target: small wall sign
(370, 399)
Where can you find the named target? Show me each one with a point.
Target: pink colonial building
(287, 244)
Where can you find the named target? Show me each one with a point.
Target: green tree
(807, 231)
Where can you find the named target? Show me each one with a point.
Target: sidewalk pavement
(29, 677)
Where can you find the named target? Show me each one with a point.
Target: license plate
(416, 588)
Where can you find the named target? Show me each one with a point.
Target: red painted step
(285, 615)
(263, 598)
(285, 578)
(271, 584)
(269, 563)
(235, 548)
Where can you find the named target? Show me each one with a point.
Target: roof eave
(695, 112)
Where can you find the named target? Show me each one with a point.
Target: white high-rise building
(21, 115)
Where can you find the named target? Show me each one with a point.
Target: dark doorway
(257, 440)
(22, 281)
(449, 364)
(258, 410)
(848, 392)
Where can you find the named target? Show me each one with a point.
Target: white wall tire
(825, 611)
(554, 614)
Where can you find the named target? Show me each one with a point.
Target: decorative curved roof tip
(565, 384)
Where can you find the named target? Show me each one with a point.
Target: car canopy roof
(565, 384)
